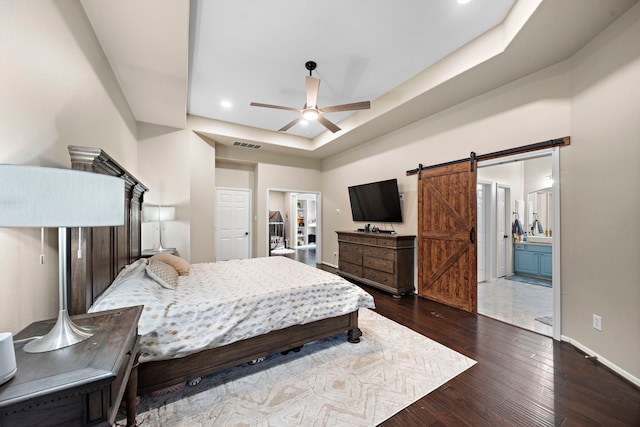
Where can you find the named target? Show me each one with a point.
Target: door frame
(508, 251)
(554, 152)
(488, 252)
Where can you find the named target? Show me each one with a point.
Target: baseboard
(329, 265)
(615, 368)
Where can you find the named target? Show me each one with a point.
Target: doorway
(524, 289)
(300, 238)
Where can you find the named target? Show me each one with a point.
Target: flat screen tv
(376, 202)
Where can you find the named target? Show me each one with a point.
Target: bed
(111, 253)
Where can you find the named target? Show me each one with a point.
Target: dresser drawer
(356, 270)
(391, 243)
(351, 256)
(364, 240)
(369, 240)
(380, 264)
(377, 252)
(350, 248)
(379, 276)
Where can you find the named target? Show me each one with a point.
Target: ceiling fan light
(310, 114)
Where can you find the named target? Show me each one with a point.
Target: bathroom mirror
(540, 208)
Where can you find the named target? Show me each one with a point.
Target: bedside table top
(93, 361)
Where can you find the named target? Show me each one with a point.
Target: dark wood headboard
(105, 250)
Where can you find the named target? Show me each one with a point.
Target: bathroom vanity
(533, 259)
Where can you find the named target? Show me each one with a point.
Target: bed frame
(107, 250)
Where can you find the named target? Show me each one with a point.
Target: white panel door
(233, 220)
(501, 231)
(481, 235)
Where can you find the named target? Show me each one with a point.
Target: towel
(517, 228)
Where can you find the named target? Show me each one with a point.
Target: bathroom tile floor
(516, 303)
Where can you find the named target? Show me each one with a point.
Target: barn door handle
(472, 234)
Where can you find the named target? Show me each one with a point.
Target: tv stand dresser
(381, 260)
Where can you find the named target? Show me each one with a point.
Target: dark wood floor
(521, 378)
(304, 255)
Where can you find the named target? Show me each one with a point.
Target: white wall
(276, 202)
(202, 161)
(57, 89)
(235, 176)
(178, 167)
(600, 197)
(162, 154)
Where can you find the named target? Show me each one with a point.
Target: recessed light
(226, 104)
(463, 1)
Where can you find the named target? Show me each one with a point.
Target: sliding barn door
(447, 269)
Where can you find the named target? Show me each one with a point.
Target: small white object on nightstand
(7, 357)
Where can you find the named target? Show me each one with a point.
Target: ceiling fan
(310, 111)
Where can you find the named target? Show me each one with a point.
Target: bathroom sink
(539, 239)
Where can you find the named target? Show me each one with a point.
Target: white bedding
(220, 303)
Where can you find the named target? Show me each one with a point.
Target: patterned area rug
(530, 280)
(282, 251)
(330, 382)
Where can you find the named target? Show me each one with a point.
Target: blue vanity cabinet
(546, 263)
(532, 260)
(525, 262)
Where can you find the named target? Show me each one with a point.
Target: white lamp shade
(33, 196)
(158, 213)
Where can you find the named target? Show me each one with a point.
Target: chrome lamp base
(63, 334)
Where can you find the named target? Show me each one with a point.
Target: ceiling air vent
(246, 145)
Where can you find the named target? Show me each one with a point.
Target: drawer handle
(472, 234)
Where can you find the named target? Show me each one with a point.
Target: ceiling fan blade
(328, 124)
(289, 125)
(313, 85)
(279, 107)
(364, 105)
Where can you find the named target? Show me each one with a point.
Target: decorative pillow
(164, 274)
(182, 266)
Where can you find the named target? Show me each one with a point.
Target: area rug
(530, 280)
(330, 382)
(282, 251)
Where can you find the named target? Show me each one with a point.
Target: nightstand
(146, 253)
(79, 385)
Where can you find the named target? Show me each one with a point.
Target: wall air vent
(246, 145)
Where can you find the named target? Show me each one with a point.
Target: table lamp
(159, 214)
(33, 196)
